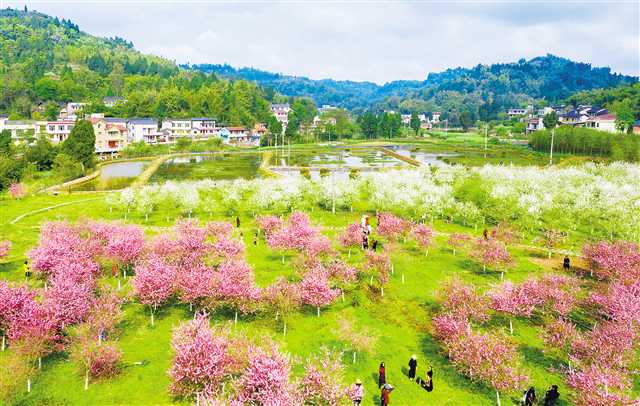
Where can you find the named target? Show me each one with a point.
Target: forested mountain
(45, 61)
(483, 90)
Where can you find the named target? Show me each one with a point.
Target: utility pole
(553, 133)
(486, 134)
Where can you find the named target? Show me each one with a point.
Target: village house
(111, 101)
(203, 127)
(435, 117)
(142, 129)
(604, 122)
(71, 111)
(240, 136)
(179, 127)
(281, 113)
(24, 131)
(58, 131)
(111, 134)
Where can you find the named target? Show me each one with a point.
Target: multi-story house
(71, 111)
(58, 131)
(240, 136)
(24, 131)
(603, 122)
(203, 127)
(281, 113)
(179, 127)
(142, 129)
(111, 134)
(435, 117)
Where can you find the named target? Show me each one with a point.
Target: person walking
(485, 234)
(357, 392)
(382, 378)
(428, 383)
(530, 397)
(552, 396)
(365, 242)
(237, 222)
(566, 263)
(26, 269)
(413, 365)
(255, 239)
(374, 245)
(384, 394)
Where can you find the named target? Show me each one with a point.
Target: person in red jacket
(382, 379)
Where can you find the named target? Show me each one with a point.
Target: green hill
(45, 60)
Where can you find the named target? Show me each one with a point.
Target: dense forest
(484, 91)
(45, 61)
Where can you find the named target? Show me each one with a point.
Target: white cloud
(365, 41)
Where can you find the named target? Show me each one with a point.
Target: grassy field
(399, 321)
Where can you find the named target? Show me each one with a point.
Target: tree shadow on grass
(538, 357)
(6, 267)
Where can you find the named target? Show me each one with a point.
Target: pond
(426, 157)
(114, 176)
(215, 166)
(339, 157)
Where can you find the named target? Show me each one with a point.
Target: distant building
(535, 124)
(24, 131)
(517, 112)
(142, 129)
(240, 136)
(111, 101)
(326, 108)
(405, 118)
(636, 127)
(281, 113)
(58, 131)
(204, 127)
(111, 136)
(435, 117)
(605, 122)
(179, 127)
(71, 111)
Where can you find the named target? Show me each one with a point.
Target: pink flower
(316, 290)
(352, 236)
(391, 226)
(613, 260)
(269, 224)
(5, 246)
(17, 191)
(153, 282)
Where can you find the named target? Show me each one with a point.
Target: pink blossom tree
(269, 224)
(599, 385)
(125, 244)
(5, 246)
(234, 286)
(201, 357)
(218, 229)
(67, 300)
(195, 284)
(551, 238)
(512, 300)
(266, 381)
(423, 235)
(153, 283)
(323, 378)
(491, 253)
(283, 297)
(105, 313)
(458, 241)
(392, 227)
(620, 302)
(463, 302)
(17, 191)
(316, 291)
(559, 334)
(380, 265)
(613, 260)
(490, 359)
(14, 301)
(228, 248)
(352, 236)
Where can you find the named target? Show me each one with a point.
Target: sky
(378, 41)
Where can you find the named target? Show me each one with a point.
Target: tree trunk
(28, 385)
(502, 275)
(86, 380)
(39, 362)
(382, 290)
(511, 326)
(498, 397)
(235, 320)
(371, 280)
(284, 331)
(283, 260)
(349, 252)
(119, 284)
(277, 315)
(342, 294)
(152, 318)
(403, 278)
(354, 357)
(4, 342)
(318, 308)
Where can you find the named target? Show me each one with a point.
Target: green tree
(81, 143)
(51, 111)
(414, 123)
(6, 145)
(183, 143)
(10, 170)
(465, 120)
(550, 120)
(67, 167)
(42, 153)
(368, 124)
(625, 116)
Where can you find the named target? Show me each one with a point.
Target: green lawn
(399, 321)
